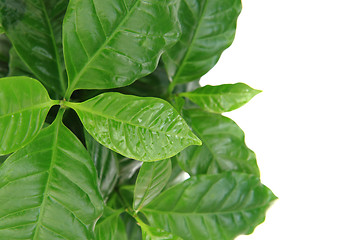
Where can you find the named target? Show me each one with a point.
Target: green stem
(171, 88)
(68, 93)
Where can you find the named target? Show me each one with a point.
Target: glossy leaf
(34, 29)
(223, 148)
(48, 189)
(208, 28)
(145, 129)
(105, 163)
(152, 233)
(111, 226)
(128, 170)
(222, 98)
(112, 43)
(210, 207)
(152, 178)
(24, 104)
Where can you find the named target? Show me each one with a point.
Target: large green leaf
(145, 129)
(210, 207)
(105, 163)
(34, 29)
(112, 43)
(17, 67)
(152, 233)
(208, 28)
(222, 98)
(24, 104)
(111, 226)
(223, 148)
(48, 189)
(152, 178)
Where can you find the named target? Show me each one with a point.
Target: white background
(305, 125)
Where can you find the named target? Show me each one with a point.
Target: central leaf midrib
(140, 205)
(164, 212)
(33, 107)
(191, 42)
(46, 190)
(48, 22)
(194, 94)
(111, 117)
(102, 47)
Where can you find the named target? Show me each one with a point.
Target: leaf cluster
(102, 119)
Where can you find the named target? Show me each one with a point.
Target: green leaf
(111, 226)
(105, 164)
(208, 28)
(128, 170)
(152, 178)
(210, 207)
(222, 98)
(24, 104)
(177, 175)
(153, 85)
(133, 230)
(145, 129)
(152, 233)
(17, 67)
(34, 29)
(112, 43)
(223, 148)
(48, 189)
(126, 193)
(178, 103)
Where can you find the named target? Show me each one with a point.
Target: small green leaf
(24, 104)
(152, 178)
(110, 226)
(209, 207)
(223, 148)
(145, 129)
(208, 28)
(105, 163)
(152, 233)
(112, 43)
(48, 189)
(34, 29)
(222, 98)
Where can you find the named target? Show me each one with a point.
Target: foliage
(102, 116)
